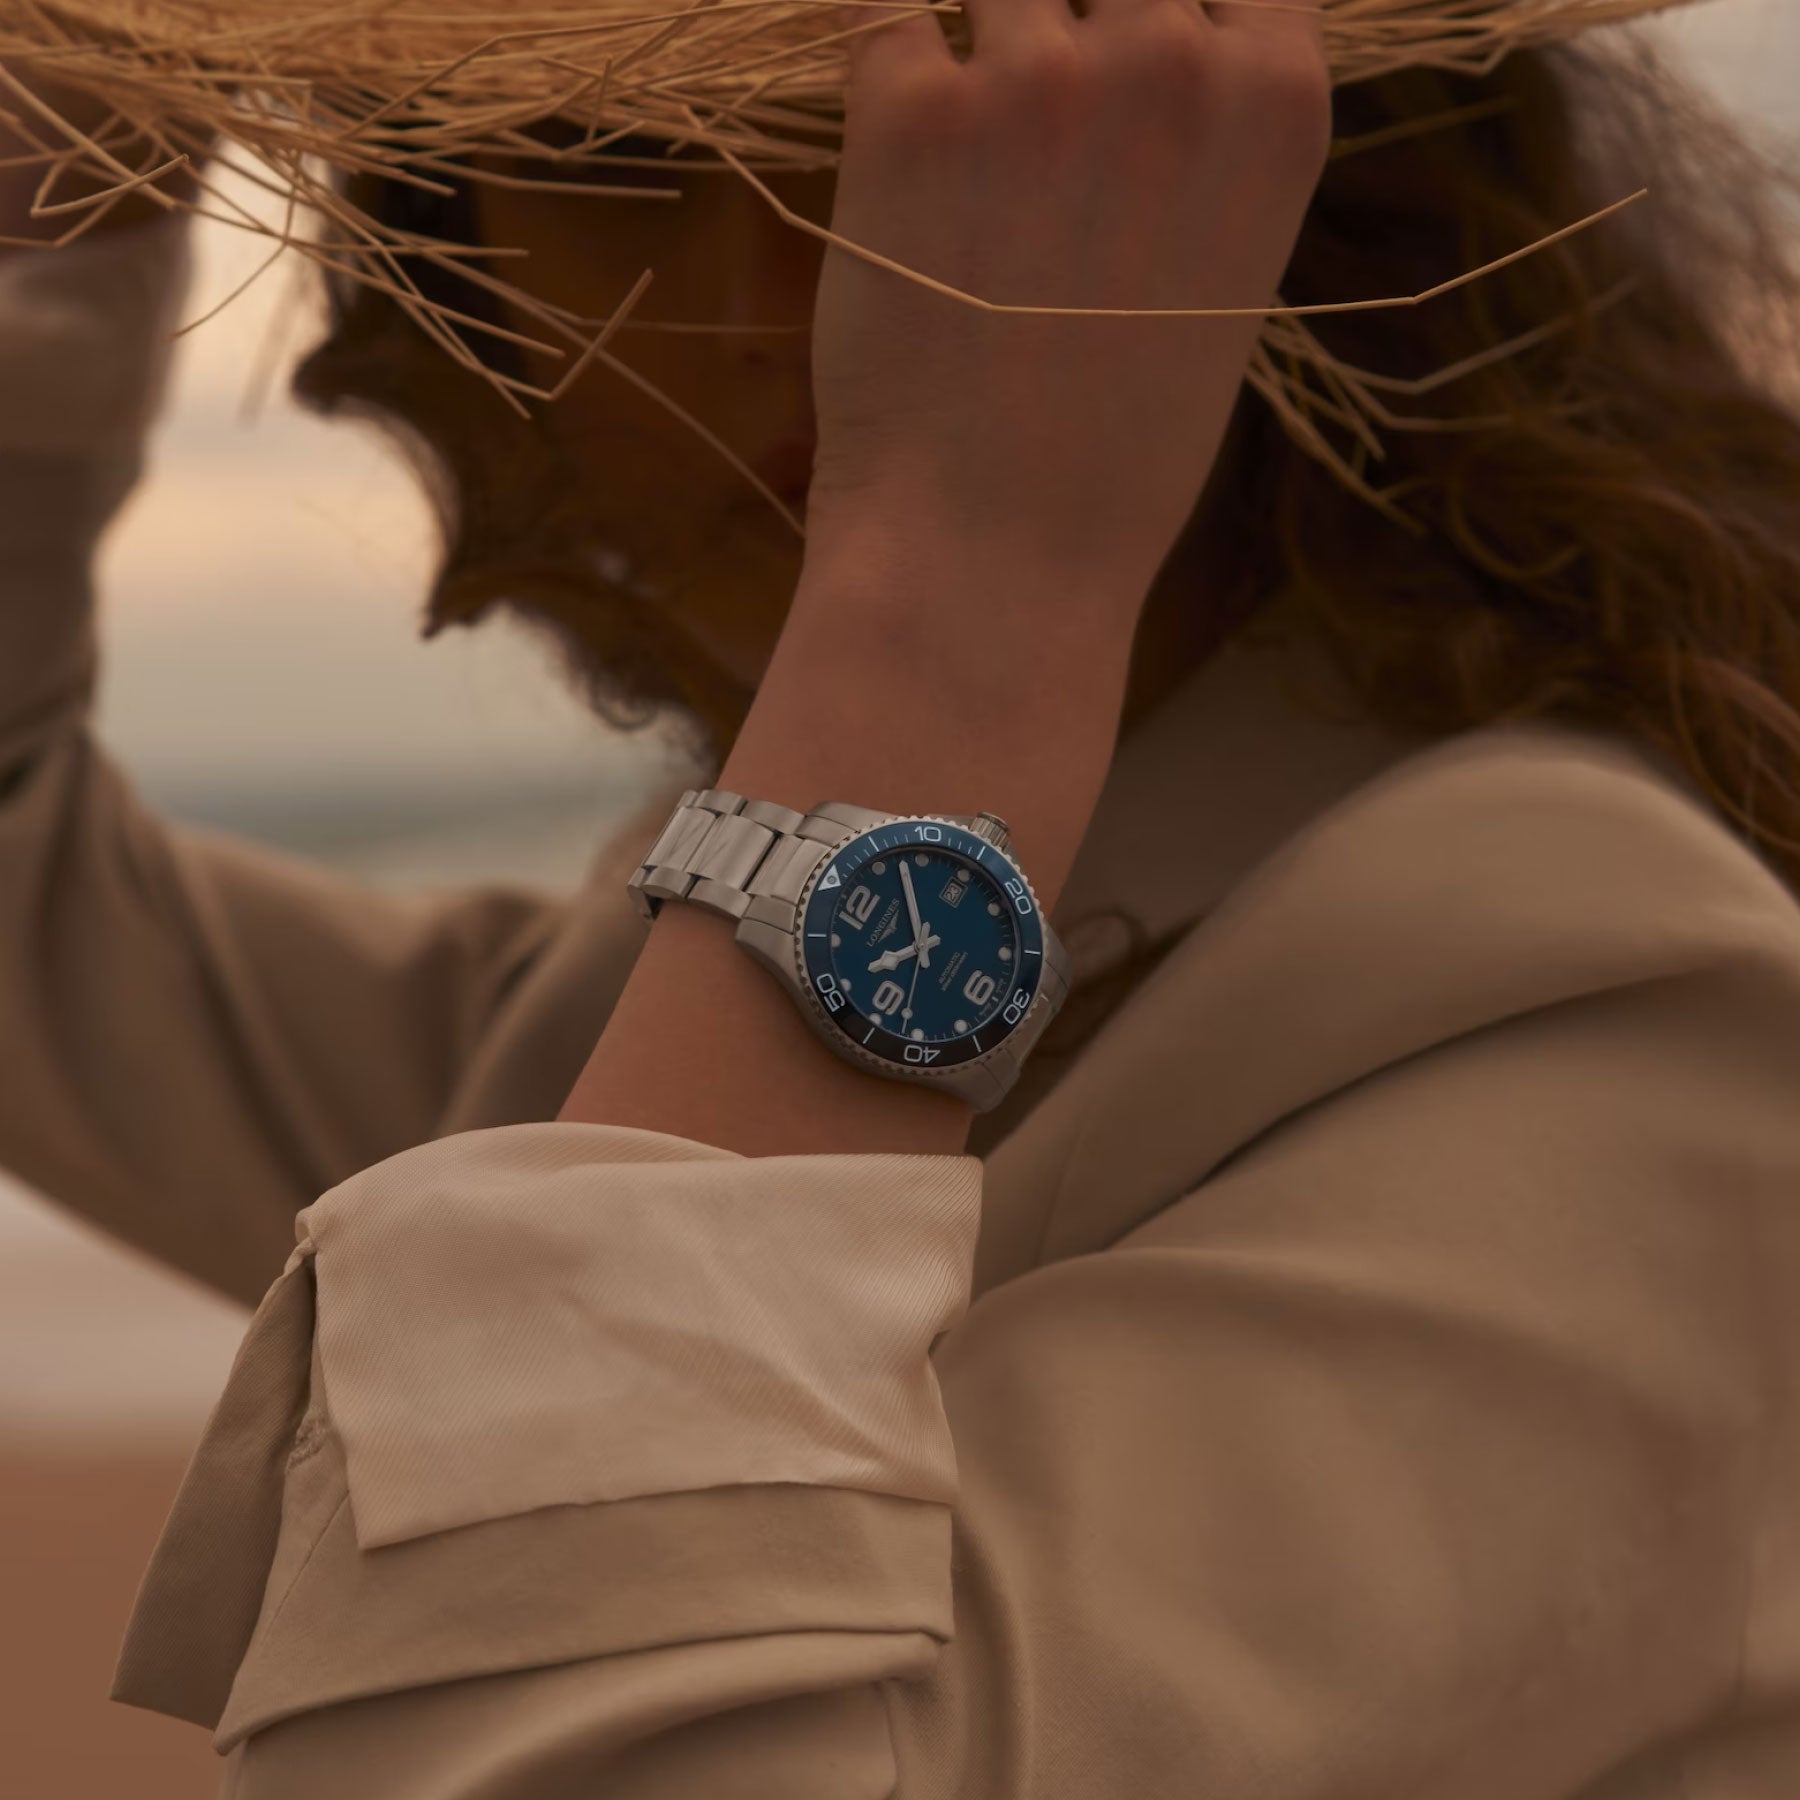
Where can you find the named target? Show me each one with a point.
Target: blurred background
(260, 593)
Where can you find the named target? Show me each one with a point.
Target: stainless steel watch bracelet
(751, 860)
(724, 852)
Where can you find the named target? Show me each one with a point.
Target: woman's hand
(19, 185)
(1157, 153)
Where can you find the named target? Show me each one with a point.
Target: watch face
(922, 943)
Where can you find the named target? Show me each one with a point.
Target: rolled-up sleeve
(557, 1314)
(513, 1334)
(1422, 1449)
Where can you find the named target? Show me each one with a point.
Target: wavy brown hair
(1618, 544)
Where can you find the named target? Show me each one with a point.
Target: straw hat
(403, 87)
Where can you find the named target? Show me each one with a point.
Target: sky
(260, 594)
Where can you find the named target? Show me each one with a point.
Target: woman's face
(723, 561)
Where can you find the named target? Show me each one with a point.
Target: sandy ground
(78, 1526)
(108, 1366)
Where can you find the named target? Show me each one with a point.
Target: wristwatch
(912, 943)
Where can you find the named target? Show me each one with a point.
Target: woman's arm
(19, 183)
(916, 674)
(992, 495)
(197, 1036)
(84, 362)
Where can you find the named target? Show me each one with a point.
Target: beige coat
(1369, 1372)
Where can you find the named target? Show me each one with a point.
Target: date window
(955, 888)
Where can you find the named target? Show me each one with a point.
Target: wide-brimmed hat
(414, 90)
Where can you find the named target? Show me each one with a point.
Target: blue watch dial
(923, 943)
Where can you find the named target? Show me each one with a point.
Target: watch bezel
(923, 1061)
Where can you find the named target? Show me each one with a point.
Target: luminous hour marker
(994, 909)
(917, 1033)
(962, 1024)
(1005, 954)
(835, 940)
(921, 858)
(962, 874)
(881, 868)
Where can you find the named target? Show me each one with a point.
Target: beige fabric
(153, 976)
(637, 1331)
(1378, 1371)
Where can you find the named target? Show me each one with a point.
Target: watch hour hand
(892, 959)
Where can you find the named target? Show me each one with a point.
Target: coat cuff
(548, 1316)
(557, 1314)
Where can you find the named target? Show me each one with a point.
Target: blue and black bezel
(858, 947)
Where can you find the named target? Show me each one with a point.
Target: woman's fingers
(1100, 11)
(1000, 28)
(997, 27)
(907, 41)
(1302, 21)
(1281, 47)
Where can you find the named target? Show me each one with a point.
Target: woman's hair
(1618, 544)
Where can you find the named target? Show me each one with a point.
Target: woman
(1373, 1377)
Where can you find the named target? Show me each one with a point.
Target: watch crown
(994, 828)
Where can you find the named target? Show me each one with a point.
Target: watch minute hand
(921, 931)
(912, 904)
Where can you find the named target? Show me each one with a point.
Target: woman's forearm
(917, 673)
(19, 184)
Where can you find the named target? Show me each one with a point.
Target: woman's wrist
(913, 676)
(924, 673)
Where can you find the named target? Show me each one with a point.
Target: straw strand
(418, 93)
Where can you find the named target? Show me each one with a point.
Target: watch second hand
(918, 964)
